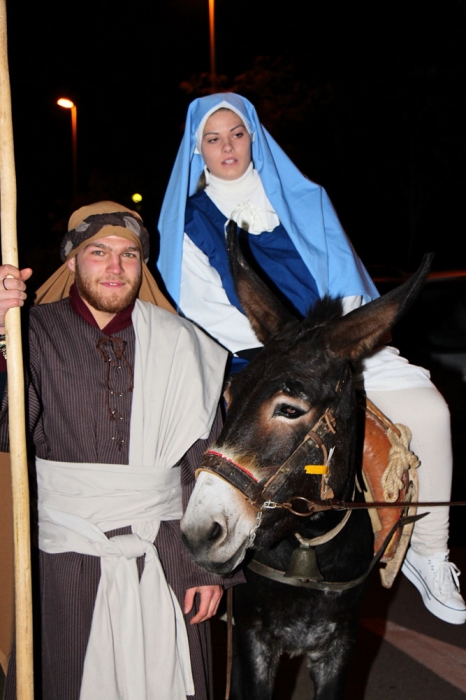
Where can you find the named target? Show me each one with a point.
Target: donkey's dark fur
(271, 405)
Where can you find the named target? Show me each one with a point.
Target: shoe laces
(446, 576)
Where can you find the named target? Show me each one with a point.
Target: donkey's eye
(288, 411)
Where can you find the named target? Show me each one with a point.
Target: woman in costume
(229, 167)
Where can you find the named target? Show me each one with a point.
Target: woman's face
(226, 145)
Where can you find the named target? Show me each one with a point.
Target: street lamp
(137, 199)
(68, 104)
(213, 70)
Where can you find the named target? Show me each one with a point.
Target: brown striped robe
(79, 411)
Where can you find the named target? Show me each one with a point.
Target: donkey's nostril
(215, 532)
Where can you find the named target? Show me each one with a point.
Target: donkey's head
(298, 388)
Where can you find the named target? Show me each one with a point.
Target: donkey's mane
(324, 310)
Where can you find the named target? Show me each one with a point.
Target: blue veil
(303, 207)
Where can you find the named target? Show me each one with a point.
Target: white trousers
(425, 412)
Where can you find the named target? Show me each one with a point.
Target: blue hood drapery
(302, 206)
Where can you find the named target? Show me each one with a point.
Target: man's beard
(90, 291)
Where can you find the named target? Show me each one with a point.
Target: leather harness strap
(236, 475)
(244, 481)
(277, 575)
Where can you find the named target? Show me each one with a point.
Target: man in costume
(123, 398)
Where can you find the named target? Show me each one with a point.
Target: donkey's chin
(218, 565)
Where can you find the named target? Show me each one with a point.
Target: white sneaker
(437, 580)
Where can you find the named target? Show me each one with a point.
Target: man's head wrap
(106, 219)
(88, 224)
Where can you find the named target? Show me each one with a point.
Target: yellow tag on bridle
(315, 468)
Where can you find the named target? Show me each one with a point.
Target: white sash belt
(138, 646)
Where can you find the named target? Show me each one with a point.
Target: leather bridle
(261, 494)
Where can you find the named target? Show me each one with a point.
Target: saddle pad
(376, 456)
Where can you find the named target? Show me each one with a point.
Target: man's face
(108, 273)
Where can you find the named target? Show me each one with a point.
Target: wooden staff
(18, 453)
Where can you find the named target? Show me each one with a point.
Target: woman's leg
(426, 413)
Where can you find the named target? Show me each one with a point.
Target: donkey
(288, 447)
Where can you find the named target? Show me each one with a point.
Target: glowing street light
(64, 102)
(68, 104)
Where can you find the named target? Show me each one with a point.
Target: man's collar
(118, 323)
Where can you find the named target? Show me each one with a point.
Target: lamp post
(68, 104)
(213, 70)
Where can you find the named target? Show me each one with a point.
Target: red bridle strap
(257, 492)
(230, 461)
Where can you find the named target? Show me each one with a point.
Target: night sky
(370, 103)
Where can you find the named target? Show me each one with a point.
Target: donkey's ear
(358, 333)
(265, 312)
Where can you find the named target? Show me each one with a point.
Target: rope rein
(400, 458)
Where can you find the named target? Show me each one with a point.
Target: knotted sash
(138, 647)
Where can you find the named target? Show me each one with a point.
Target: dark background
(368, 99)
